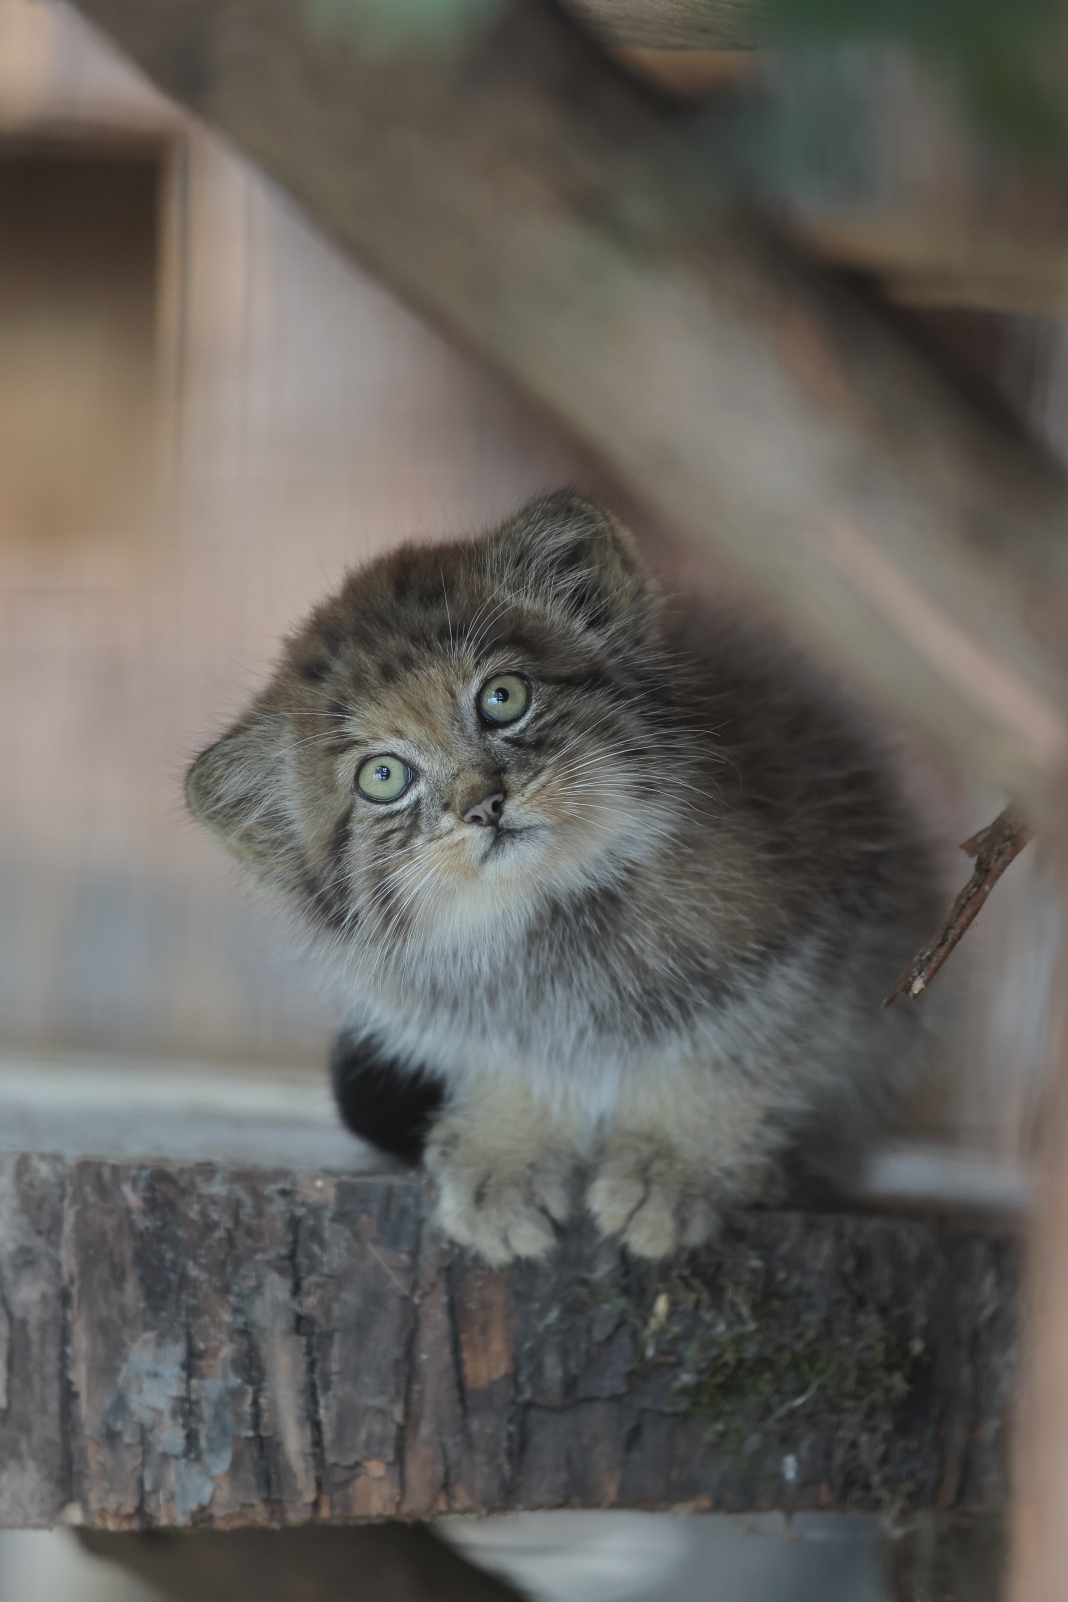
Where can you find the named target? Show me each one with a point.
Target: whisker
(448, 613)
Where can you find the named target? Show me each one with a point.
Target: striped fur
(664, 967)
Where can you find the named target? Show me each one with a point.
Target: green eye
(504, 698)
(383, 778)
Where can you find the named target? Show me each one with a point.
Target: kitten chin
(616, 887)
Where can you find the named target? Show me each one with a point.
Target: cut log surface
(200, 1345)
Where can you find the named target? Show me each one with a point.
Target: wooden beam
(196, 1345)
(869, 157)
(568, 227)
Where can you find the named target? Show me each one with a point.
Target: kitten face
(460, 733)
(489, 812)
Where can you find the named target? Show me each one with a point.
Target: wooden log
(569, 227)
(202, 1346)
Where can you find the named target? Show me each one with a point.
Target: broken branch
(993, 849)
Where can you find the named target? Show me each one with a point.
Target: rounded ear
(235, 788)
(568, 553)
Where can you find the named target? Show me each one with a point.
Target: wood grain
(202, 1346)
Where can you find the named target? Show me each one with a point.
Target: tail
(382, 1100)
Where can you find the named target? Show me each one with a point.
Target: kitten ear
(577, 556)
(235, 789)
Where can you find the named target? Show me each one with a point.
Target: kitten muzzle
(486, 811)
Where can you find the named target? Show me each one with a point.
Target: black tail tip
(383, 1101)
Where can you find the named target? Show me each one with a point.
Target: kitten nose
(487, 811)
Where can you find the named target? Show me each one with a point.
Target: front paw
(499, 1206)
(655, 1200)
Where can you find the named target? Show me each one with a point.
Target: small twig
(993, 849)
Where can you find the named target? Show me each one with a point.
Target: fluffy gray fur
(661, 967)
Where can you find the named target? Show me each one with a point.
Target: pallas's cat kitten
(616, 888)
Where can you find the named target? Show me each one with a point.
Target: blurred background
(206, 416)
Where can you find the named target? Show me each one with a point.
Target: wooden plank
(251, 1348)
(565, 225)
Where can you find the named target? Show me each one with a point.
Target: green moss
(763, 1384)
(774, 1381)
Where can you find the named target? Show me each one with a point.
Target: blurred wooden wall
(297, 420)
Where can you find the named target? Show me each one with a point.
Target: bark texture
(994, 848)
(201, 1346)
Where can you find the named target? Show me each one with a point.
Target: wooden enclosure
(228, 1348)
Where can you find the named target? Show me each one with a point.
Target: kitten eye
(504, 698)
(383, 778)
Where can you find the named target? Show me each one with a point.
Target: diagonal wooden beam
(575, 232)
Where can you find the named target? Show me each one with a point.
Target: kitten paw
(655, 1201)
(499, 1210)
